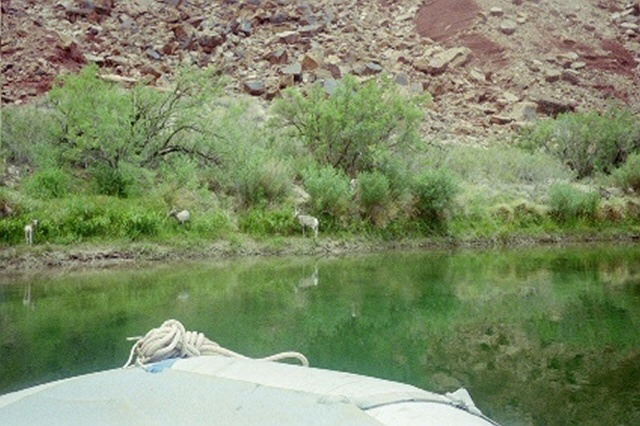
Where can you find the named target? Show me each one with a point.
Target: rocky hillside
(490, 64)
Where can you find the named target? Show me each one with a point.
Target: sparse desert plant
(588, 142)
(503, 211)
(263, 179)
(566, 202)
(628, 176)
(528, 212)
(613, 210)
(27, 133)
(499, 164)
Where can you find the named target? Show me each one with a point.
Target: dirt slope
(491, 64)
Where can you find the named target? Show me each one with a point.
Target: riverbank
(112, 254)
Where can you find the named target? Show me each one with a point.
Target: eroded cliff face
(490, 64)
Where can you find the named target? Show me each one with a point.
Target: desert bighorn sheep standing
(307, 221)
(29, 230)
(181, 216)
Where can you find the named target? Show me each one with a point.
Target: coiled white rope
(171, 340)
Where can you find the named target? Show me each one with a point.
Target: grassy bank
(101, 166)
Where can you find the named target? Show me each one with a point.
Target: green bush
(566, 202)
(434, 190)
(590, 142)
(111, 181)
(628, 176)
(212, 224)
(373, 191)
(263, 222)
(329, 191)
(349, 128)
(50, 182)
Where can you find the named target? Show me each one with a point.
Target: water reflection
(308, 282)
(26, 298)
(545, 336)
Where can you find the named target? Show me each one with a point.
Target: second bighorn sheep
(307, 221)
(29, 230)
(181, 216)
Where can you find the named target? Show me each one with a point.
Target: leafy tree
(105, 125)
(356, 125)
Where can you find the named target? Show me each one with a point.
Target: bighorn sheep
(307, 221)
(29, 230)
(181, 216)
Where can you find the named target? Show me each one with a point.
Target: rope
(171, 340)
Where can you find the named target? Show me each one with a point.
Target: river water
(543, 336)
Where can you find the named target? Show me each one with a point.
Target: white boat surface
(219, 390)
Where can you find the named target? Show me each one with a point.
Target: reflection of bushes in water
(615, 325)
(516, 379)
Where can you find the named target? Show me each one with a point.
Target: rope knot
(171, 340)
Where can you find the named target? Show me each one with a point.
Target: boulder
(524, 111)
(402, 79)
(371, 68)
(508, 27)
(571, 76)
(254, 87)
(278, 57)
(552, 107)
(310, 62)
(449, 58)
(551, 76)
(294, 69)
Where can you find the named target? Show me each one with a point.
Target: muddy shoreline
(19, 259)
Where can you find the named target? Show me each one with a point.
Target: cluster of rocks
(628, 19)
(507, 61)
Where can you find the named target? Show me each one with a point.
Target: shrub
(329, 191)
(264, 222)
(263, 179)
(527, 212)
(347, 129)
(373, 188)
(139, 223)
(566, 202)
(588, 142)
(434, 190)
(500, 164)
(628, 176)
(111, 181)
(25, 131)
(50, 182)
(213, 223)
(374, 195)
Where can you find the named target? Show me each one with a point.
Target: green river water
(543, 336)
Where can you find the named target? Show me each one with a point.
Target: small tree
(354, 126)
(105, 125)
